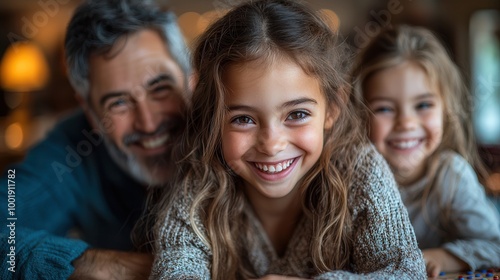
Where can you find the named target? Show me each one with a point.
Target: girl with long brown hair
(275, 177)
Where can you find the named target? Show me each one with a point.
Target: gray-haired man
(129, 66)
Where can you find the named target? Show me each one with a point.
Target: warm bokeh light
(206, 19)
(23, 68)
(493, 182)
(331, 18)
(14, 136)
(193, 24)
(188, 23)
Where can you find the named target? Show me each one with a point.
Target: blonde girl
(419, 120)
(275, 178)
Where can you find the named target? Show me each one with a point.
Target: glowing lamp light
(14, 136)
(23, 68)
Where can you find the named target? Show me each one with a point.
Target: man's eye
(298, 115)
(161, 90)
(242, 120)
(118, 105)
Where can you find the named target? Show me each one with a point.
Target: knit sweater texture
(69, 196)
(384, 244)
(450, 210)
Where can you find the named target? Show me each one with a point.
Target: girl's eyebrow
(287, 104)
(299, 101)
(426, 95)
(379, 98)
(418, 97)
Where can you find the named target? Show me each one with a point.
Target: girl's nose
(271, 141)
(406, 121)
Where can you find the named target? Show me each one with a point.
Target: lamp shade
(23, 68)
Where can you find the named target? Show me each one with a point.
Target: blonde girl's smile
(407, 120)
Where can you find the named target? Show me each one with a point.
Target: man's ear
(84, 104)
(331, 116)
(192, 81)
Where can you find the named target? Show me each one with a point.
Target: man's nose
(146, 119)
(271, 141)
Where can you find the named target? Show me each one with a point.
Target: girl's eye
(242, 120)
(424, 105)
(382, 110)
(298, 115)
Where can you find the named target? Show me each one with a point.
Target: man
(80, 191)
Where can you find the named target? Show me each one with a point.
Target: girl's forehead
(276, 83)
(401, 80)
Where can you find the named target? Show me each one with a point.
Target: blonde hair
(394, 46)
(259, 31)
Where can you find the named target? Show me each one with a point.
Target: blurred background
(35, 93)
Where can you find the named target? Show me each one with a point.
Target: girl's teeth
(406, 144)
(274, 168)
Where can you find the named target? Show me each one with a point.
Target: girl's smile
(275, 171)
(273, 130)
(407, 120)
(405, 145)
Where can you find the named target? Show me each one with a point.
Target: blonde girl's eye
(298, 115)
(382, 110)
(242, 120)
(424, 105)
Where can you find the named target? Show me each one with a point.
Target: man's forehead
(128, 74)
(137, 59)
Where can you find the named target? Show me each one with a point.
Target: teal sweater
(69, 196)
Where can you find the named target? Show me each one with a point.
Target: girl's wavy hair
(266, 31)
(402, 43)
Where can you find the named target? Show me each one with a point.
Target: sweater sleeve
(43, 207)
(179, 252)
(474, 224)
(384, 244)
(38, 253)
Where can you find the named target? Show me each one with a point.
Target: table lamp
(23, 70)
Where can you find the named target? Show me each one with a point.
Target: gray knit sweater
(451, 211)
(384, 244)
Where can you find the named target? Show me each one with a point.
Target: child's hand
(437, 260)
(278, 277)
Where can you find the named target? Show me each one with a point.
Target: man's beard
(151, 170)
